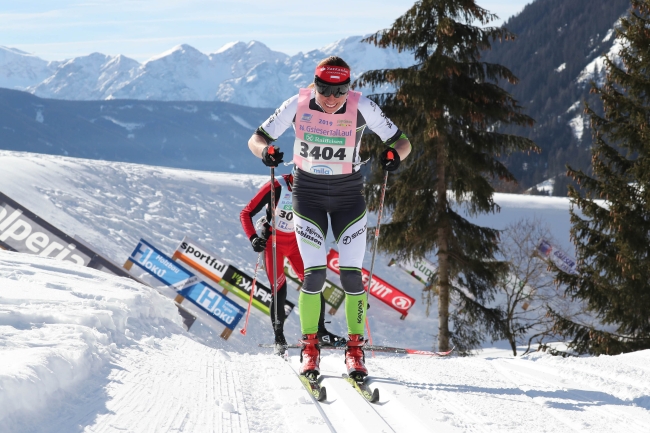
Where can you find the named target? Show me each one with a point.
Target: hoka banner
(559, 258)
(385, 292)
(200, 259)
(422, 269)
(205, 297)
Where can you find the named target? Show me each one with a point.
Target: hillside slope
(557, 43)
(196, 135)
(83, 351)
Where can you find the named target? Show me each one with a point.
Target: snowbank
(61, 324)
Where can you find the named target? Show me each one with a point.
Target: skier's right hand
(258, 243)
(271, 156)
(389, 159)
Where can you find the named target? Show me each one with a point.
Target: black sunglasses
(327, 89)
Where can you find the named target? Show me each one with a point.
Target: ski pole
(250, 298)
(381, 209)
(274, 283)
(374, 248)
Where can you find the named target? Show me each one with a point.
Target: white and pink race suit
(327, 180)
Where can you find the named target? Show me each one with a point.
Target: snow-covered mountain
(20, 70)
(84, 351)
(248, 74)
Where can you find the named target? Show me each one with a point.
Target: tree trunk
(443, 247)
(513, 345)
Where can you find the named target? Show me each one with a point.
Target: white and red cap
(333, 74)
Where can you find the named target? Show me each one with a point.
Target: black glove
(271, 156)
(258, 243)
(389, 159)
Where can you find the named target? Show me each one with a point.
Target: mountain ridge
(238, 72)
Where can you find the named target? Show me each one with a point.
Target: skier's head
(332, 83)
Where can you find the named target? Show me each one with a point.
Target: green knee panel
(309, 305)
(355, 312)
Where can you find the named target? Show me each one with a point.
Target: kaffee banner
(208, 299)
(199, 258)
(385, 292)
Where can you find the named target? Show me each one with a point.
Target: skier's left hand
(258, 243)
(389, 159)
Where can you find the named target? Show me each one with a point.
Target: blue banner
(204, 296)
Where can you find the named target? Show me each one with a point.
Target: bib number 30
(317, 152)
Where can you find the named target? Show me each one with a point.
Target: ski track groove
(461, 419)
(346, 403)
(569, 424)
(570, 388)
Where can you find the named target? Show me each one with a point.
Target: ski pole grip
(390, 155)
(271, 150)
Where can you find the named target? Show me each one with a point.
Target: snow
(84, 351)
(129, 126)
(595, 70)
(577, 125)
(561, 68)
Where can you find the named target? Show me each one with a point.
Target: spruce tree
(612, 233)
(450, 104)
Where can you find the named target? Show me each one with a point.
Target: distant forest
(556, 40)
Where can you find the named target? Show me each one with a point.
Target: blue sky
(140, 29)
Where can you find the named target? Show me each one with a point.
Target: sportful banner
(332, 293)
(559, 258)
(422, 269)
(21, 230)
(211, 266)
(208, 299)
(385, 292)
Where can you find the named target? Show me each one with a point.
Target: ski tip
(375, 396)
(323, 394)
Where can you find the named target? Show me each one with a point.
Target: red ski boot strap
(310, 339)
(353, 343)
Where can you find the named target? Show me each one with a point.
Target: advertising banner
(422, 269)
(332, 293)
(197, 257)
(25, 232)
(241, 283)
(205, 297)
(200, 259)
(559, 258)
(385, 292)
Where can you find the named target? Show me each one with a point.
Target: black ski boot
(326, 338)
(280, 345)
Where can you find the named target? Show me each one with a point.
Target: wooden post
(179, 299)
(128, 264)
(226, 333)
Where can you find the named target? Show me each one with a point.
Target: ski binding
(310, 381)
(358, 383)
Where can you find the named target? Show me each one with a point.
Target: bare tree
(529, 287)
